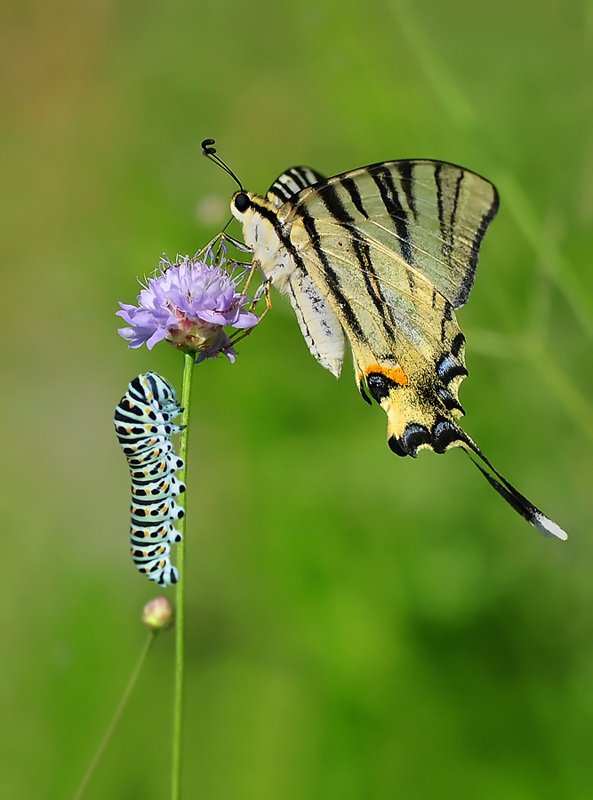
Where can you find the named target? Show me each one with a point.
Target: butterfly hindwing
(407, 346)
(319, 324)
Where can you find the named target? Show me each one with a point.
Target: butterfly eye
(242, 202)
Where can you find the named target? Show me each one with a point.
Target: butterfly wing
(430, 214)
(394, 248)
(407, 346)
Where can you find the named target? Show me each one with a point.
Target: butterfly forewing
(430, 214)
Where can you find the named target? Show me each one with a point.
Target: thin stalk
(179, 626)
(115, 719)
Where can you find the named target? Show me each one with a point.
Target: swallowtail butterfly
(143, 426)
(382, 257)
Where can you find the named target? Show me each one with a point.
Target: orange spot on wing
(396, 374)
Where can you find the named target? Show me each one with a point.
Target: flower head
(187, 303)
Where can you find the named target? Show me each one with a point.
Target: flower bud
(158, 614)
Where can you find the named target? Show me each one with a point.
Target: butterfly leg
(242, 297)
(220, 239)
(264, 289)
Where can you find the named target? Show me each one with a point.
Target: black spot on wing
(457, 344)
(395, 446)
(447, 317)
(448, 400)
(380, 385)
(414, 436)
(445, 433)
(448, 368)
(363, 393)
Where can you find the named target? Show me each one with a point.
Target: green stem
(115, 719)
(179, 627)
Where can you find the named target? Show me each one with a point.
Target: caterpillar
(143, 427)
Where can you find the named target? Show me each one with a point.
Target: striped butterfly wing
(384, 255)
(290, 183)
(394, 247)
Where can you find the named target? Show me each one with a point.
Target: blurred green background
(359, 625)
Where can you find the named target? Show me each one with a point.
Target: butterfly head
(259, 221)
(243, 207)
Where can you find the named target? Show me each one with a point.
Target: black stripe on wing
(390, 197)
(331, 277)
(447, 223)
(361, 250)
(350, 185)
(439, 212)
(406, 171)
(291, 182)
(470, 275)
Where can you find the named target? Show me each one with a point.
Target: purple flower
(187, 303)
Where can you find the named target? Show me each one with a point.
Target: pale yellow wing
(431, 214)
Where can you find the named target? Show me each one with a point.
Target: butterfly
(381, 257)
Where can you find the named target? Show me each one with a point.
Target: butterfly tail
(513, 497)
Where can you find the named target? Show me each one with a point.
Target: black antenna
(210, 152)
